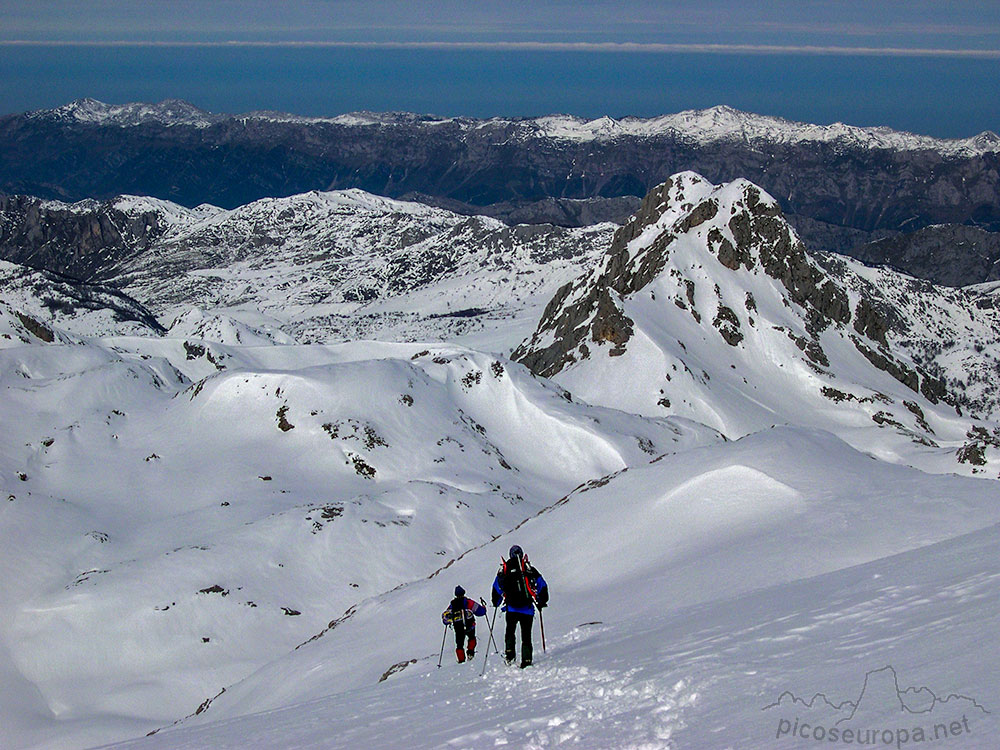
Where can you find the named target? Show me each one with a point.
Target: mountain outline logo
(912, 700)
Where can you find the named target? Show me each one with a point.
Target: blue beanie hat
(459, 591)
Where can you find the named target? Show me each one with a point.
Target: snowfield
(243, 508)
(216, 535)
(348, 265)
(811, 577)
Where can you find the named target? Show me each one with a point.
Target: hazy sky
(932, 67)
(968, 25)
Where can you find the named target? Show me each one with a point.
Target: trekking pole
(541, 623)
(441, 655)
(487, 655)
(495, 649)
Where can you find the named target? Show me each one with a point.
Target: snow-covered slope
(35, 305)
(708, 306)
(170, 537)
(219, 327)
(687, 596)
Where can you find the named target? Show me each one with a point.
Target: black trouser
(510, 636)
(462, 630)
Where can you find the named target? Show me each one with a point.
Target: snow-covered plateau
(241, 480)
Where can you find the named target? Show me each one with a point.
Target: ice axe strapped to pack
(524, 592)
(531, 592)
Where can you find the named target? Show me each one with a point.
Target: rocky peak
(986, 141)
(660, 205)
(737, 223)
(715, 252)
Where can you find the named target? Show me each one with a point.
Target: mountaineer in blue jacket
(461, 615)
(520, 586)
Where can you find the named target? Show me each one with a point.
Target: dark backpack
(460, 612)
(517, 582)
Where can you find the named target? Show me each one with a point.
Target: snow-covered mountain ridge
(345, 265)
(717, 123)
(169, 112)
(722, 123)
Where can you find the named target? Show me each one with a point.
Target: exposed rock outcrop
(717, 252)
(83, 241)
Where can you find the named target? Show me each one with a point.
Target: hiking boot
(525, 663)
(509, 658)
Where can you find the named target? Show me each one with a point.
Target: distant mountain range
(840, 186)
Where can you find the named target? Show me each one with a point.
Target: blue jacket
(506, 588)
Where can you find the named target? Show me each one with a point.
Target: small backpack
(459, 611)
